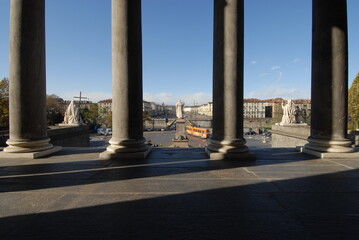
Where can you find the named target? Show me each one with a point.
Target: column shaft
(127, 124)
(228, 77)
(27, 77)
(329, 77)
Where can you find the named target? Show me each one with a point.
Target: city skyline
(244, 99)
(177, 49)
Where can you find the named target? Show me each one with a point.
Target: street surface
(164, 139)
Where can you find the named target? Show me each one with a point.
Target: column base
(31, 155)
(180, 143)
(233, 156)
(107, 155)
(126, 149)
(228, 149)
(228, 146)
(329, 146)
(326, 155)
(27, 146)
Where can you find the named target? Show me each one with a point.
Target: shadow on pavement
(304, 208)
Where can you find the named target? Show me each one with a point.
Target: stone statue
(72, 115)
(179, 109)
(303, 113)
(297, 113)
(288, 113)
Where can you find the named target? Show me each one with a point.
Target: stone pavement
(179, 194)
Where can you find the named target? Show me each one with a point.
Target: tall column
(127, 126)
(227, 140)
(329, 78)
(27, 88)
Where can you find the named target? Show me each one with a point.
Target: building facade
(252, 108)
(104, 106)
(82, 104)
(272, 108)
(204, 109)
(153, 109)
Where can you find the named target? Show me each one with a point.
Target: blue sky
(177, 48)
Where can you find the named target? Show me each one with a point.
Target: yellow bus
(198, 132)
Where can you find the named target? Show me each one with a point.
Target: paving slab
(179, 194)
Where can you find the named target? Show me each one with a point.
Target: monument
(180, 139)
(297, 113)
(291, 114)
(72, 116)
(288, 113)
(179, 109)
(290, 132)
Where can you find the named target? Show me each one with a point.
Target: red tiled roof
(302, 101)
(105, 101)
(276, 100)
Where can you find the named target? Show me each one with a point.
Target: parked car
(104, 131)
(250, 133)
(108, 131)
(101, 131)
(267, 134)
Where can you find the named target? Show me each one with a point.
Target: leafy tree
(353, 102)
(109, 120)
(277, 112)
(55, 108)
(90, 115)
(104, 116)
(146, 116)
(4, 103)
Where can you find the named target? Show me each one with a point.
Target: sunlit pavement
(179, 194)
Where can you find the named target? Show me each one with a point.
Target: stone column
(227, 140)
(329, 78)
(127, 118)
(27, 88)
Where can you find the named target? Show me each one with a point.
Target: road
(164, 139)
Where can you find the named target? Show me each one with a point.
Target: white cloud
(296, 60)
(254, 62)
(276, 91)
(171, 98)
(275, 68)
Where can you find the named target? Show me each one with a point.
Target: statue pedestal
(180, 139)
(69, 125)
(290, 135)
